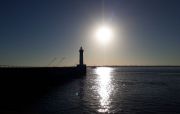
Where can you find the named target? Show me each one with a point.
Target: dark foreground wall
(50, 74)
(19, 87)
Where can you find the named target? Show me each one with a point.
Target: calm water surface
(116, 90)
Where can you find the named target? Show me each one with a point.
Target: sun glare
(105, 88)
(104, 34)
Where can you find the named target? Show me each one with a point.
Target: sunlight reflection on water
(105, 88)
(112, 90)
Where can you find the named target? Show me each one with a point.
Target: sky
(50, 32)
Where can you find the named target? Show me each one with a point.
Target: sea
(115, 90)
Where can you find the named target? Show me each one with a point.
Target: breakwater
(21, 86)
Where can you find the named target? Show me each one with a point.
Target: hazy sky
(34, 32)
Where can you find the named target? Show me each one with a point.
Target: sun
(104, 34)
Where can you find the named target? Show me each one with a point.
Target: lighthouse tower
(81, 56)
(81, 66)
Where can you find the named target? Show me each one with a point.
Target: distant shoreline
(5, 66)
(137, 66)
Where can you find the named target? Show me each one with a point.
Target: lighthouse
(81, 67)
(81, 56)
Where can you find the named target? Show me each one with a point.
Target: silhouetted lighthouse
(81, 67)
(81, 56)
